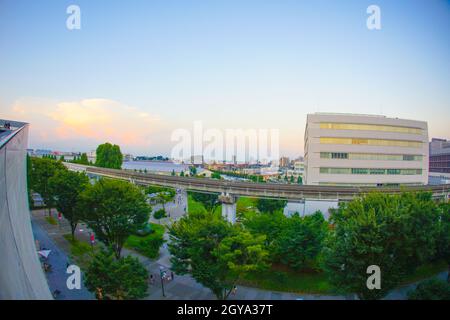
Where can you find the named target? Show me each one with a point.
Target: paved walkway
(58, 259)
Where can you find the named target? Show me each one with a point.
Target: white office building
(369, 150)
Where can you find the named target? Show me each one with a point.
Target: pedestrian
(171, 274)
(233, 292)
(152, 279)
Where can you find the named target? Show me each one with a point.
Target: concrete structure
(228, 206)
(21, 275)
(440, 156)
(437, 178)
(364, 150)
(249, 189)
(233, 189)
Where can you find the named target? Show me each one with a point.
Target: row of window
(370, 127)
(372, 142)
(375, 171)
(370, 156)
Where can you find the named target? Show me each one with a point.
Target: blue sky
(230, 64)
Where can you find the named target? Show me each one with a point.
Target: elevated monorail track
(259, 190)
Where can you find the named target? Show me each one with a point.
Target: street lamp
(162, 274)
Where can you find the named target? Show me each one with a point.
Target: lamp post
(162, 274)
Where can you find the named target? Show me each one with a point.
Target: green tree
(114, 209)
(83, 159)
(192, 170)
(395, 232)
(159, 214)
(41, 172)
(164, 197)
(301, 240)
(299, 180)
(29, 181)
(123, 278)
(173, 173)
(291, 180)
(216, 253)
(432, 289)
(268, 224)
(270, 205)
(66, 186)
(209, 200)
(182, 174)
(216, 175)
(443, 243)
(109, 156)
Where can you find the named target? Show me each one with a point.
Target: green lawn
(51, 220)
(147, 245)
(244, 205)
(194, 206)
(81, 252)
(289, 281)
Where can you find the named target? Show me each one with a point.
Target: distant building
(439, 165)
(347, 149)
(197, 160)
(440, 155)
(92, 156)
(284, 162)
(127, 157)
(42, 152)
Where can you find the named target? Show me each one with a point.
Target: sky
(138, 70)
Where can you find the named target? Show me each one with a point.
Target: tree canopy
(216, 253)
(271, 205)
(124, 278)
(114, 209)
(395, 232)
(66, 187)
(42, 169)
(109, 156)
(301, 240)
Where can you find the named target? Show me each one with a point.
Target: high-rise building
(439, 161)
(348, 149)
(440, 155)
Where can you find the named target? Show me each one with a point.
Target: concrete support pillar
(228, 207)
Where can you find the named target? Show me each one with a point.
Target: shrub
(432, 289)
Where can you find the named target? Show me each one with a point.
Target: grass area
(289, 281)
(194, 206)
(245, 204)
(81, 252)
(147, 245)
(51, 220)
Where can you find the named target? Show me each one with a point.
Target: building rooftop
(7, 129)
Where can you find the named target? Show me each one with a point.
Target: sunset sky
(137, 70)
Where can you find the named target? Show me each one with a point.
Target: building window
(372, 142)
(370, 156)
(375, 171)
(369, 127)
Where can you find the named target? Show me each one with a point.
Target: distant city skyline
(137, 71)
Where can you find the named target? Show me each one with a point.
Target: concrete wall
(21, 275)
